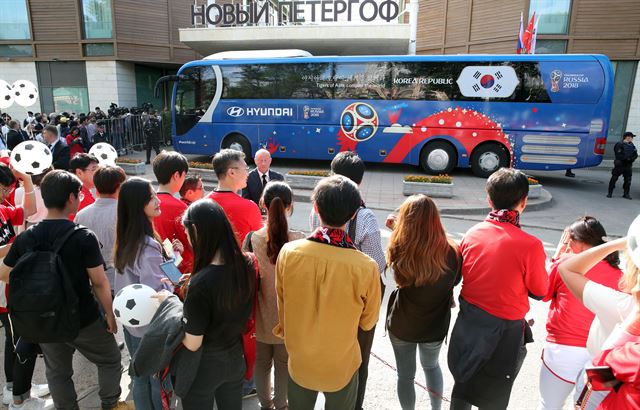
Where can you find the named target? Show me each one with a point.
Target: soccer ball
(31, 157)
(25, 93)
(6, 95)
(133, 305)
(359, 121)
(105, 153)
(633, 241)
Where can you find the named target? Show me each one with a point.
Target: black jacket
(61, 155)
(151, 130)
(253, 191)
(625, 153)
(13, 139)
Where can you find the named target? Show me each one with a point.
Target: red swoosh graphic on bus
(468, 127)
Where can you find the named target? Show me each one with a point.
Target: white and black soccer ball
(6, 95)
(133, 305)
(25, 93)
(105, 153)
(633, 241)
(31, 157)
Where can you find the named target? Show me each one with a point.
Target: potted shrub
(204, 169)
(305, 179)
(131, 166)
(438, 186)
(535, 188)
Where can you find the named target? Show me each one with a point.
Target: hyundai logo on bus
(260, 112)
(326, 11)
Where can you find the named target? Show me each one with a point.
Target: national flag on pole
(520, 46)
(527, 37)
(534, 36)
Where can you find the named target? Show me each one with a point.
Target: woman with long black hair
(266, 243)
(137, 257)
(220, 296)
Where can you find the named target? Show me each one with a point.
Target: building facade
(83, 54)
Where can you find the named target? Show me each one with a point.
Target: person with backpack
(18, 391)
(137, 257)
(68, 319)
(364, 231)
(219, 302)
(266, 243)
(426, 266)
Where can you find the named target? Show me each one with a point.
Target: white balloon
(105, 153)
(25, 93)
(31, 157)
(133, 305)
(633, 241)
(6, 95)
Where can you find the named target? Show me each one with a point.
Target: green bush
(308, 173)
(436, 179)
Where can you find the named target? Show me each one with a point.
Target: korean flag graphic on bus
(488, 81)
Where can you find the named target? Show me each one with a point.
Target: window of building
(15, 50)
(554, 15)
(551, 46)
(63, 86)
(146, 78)
(97, 18)
(71, 99)
(14, 20)
(623, 87)
(98, 49)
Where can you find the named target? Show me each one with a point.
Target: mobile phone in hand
(171, 271)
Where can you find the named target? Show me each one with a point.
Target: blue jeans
(146, 390)
(405, 353)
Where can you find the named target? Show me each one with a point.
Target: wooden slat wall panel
(181, 16)
(181, 55)
(457, 30)
(606, 17)
(494, 47)
(493, 18)
(69, 51)
(142, 21)
(612, 48)
(430, 51)
(140, 52)
(430, 24)
(54, 20)
(456, 50)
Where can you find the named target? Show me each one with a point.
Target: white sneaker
(33, 403)
(39, 390)
(7, 395)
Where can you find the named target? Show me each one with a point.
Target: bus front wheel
(488, 158)
(239, 142)
(438, 157)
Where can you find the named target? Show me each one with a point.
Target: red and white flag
(534, 36)
(527, 37)
(520, 45)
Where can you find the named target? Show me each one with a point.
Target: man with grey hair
(260, 176)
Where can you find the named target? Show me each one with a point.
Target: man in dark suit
(259, 177)
(14, 136)
(59, 148)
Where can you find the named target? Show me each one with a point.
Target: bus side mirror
(163, 80)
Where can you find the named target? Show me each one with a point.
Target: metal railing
(126, 134)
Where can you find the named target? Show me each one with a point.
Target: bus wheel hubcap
(489, 161)
(438, 159)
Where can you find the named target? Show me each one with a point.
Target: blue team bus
(537, 112)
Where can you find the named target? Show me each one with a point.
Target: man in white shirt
(260, 176)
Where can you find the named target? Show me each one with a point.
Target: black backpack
(43, 306)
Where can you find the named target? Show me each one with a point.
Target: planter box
(207, 175)
(133, 169)
(427, 188)
(535, 191)
(302, 181)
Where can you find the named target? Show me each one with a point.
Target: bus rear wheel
(487, 159)
(238, 142)
(438, 157)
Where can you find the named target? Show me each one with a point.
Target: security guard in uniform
(625, 153)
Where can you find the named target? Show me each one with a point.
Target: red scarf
(331, 236)
(505, 215)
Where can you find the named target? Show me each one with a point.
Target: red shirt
(9, 217)
(569, 320)
(625, 363)
(169, 226)
(74, 148)
(243, 214)
(87, 199)
(501, 264)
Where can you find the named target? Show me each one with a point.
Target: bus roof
(405, 58)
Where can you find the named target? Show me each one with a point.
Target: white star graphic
(318, 130)
(524, 126)
(564, 125)
(274, 133)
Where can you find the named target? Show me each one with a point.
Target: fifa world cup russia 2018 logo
(359, 122)
(556, 76)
